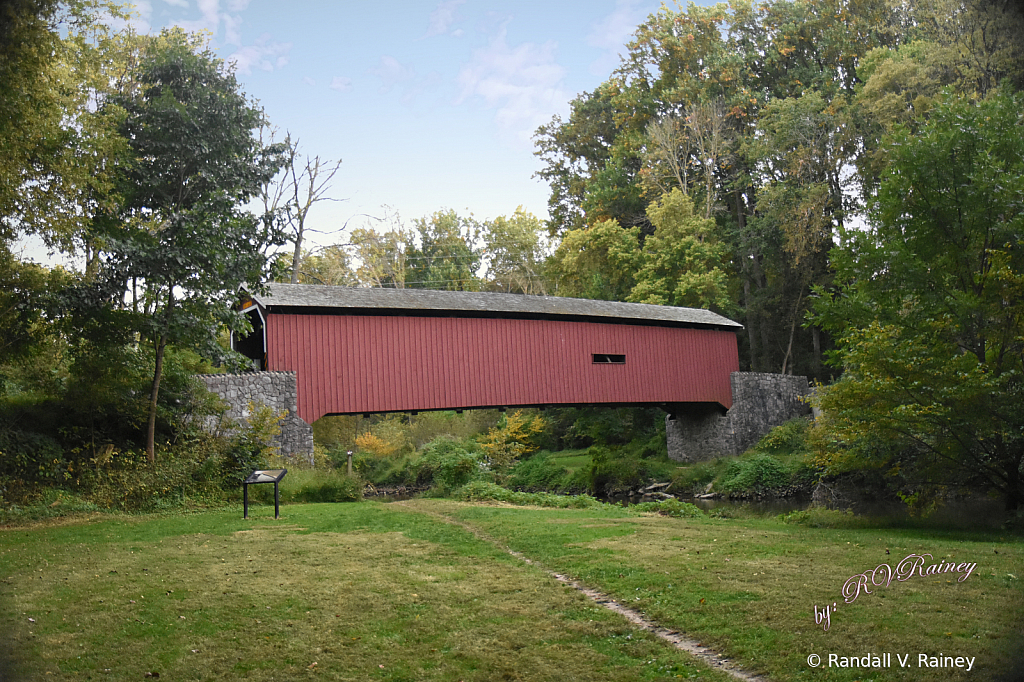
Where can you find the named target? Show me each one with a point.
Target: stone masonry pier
(276, 390)
(760, 402)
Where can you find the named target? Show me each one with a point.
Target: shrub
(819, 517)
(31, 457)
(511, 438)
(540, 472)
(612, 470)
(786, 439)
(674, 508)
(448, 464)
(478, 491)
(328, 486)
(695, 478)
(759, 474)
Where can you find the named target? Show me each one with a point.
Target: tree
(181, 235)
(292, 196)
(514, 253)
(930, 313)
(512, 438)
(682, 263)
(330, 265)
(599, 262)
(446, 256)
(382, 255)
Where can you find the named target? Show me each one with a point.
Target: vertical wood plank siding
(352, 364)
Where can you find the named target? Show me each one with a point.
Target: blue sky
(429, 105)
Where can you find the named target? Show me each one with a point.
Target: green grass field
(396, 592)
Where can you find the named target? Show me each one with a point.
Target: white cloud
(392, 72)
(210, 19)
(175, 3)
(308, 81)
(612, 33)
(443, 17)
(232, 24)
(341, 84)
(265, 55)
(139, 21)
(523, 83)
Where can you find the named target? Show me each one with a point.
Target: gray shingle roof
(480, 304)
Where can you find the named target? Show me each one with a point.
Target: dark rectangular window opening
(608, 359)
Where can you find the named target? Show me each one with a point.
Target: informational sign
(263, 476)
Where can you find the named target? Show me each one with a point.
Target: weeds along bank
(576, 455)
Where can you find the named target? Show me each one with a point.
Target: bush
(674, 508)
(30, 458)
(694, 479)
(819, 517)
(479, 491)
(397, 470)
(448, 464)
(611, 471)
(326, 486)
(760, 474)
(540, 472)
(786, 439)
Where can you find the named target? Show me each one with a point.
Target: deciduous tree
(931, 309)
(182, 235)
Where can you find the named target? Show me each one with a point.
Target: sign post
(263, 476)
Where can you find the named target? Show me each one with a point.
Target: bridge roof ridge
(481, 303)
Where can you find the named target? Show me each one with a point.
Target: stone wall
(759, 402)
(276, 390)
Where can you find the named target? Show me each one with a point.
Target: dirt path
(678, 640)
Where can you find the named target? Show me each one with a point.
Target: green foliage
(446, 257)
(760, 474)
(598, 262)
(675, 508)
(315, 485)
(484, 491)
(694, 478)
(684, 263)
(514, 251)
(543, 473)
(931, 310)
(251, 447)
(786, 439)
(581, 427)
(178, 229)
(449, 464)
(617, 469)
(30, 458)
(511, 438)
(819, 517)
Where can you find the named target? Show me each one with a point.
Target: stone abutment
(276, 390)
(759, 402)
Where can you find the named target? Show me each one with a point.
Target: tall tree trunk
(297, 256)
(752, 323)
(161, 346)
(157, 373)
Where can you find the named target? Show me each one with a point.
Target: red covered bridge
(406, 350)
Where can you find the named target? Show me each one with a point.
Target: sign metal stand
(263, 476)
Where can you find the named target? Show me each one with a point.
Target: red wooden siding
(352, 364)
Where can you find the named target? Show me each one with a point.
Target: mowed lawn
(407, 591)
(334, 591)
